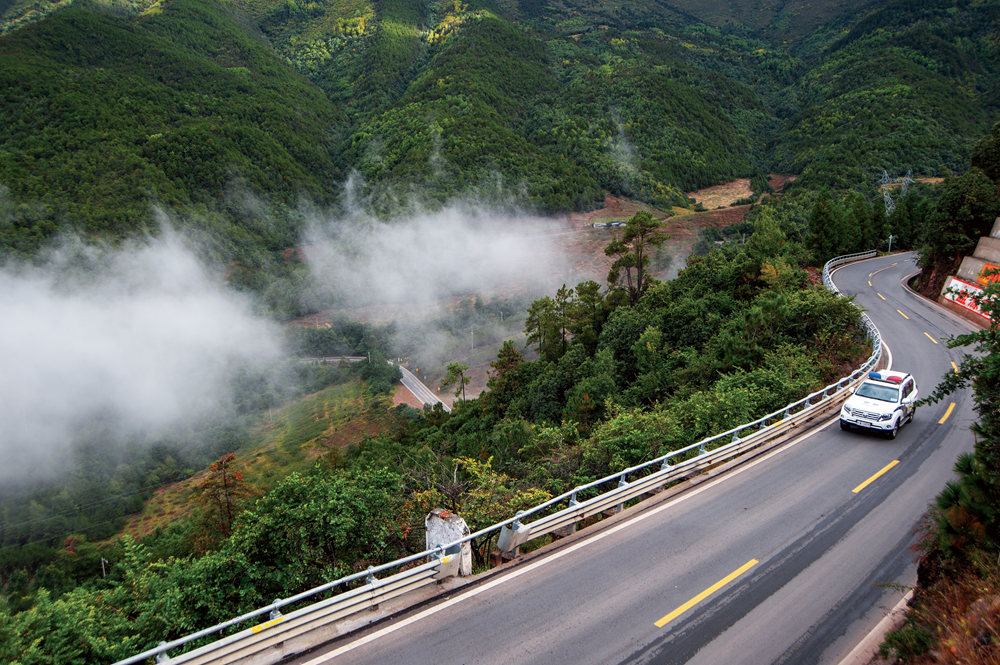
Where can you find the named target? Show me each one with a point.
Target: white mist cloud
(426, 256)
(143, 337)
(621, 150)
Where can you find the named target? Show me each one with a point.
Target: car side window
(908, 388)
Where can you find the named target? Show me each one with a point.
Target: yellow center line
(931, 338)
(903, 315)
(951, 407)
(706, 593)
(869, 282)
(892, 264)
(954, 366)
(880, 295)
(876, 476)
(870, 274)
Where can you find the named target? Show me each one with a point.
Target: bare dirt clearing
(720, 196)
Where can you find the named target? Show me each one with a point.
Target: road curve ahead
(792, 558)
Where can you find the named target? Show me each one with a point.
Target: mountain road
(790, 558)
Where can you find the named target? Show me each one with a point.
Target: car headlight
(887, 416)
(848, 411)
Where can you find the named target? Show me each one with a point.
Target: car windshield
(875, 391)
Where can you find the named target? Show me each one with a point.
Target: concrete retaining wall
(988, 249)
(970, 268)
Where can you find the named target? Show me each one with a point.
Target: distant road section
(332, 360)
(409, 380)
(419, 390)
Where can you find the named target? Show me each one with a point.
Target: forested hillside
(195, 105)
(905, 88)
(106, 116)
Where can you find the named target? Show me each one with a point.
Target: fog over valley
(429, 255)
(143, 337)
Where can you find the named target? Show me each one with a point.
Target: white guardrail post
(283, 635)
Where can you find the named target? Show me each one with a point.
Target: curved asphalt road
(790, 559)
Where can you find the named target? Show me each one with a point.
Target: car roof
(888, 376)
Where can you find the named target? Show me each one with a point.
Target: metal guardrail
(332, 360)
(278, 634)
(839, 261)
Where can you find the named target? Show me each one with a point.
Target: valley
(568, 210)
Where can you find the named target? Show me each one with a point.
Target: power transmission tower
(886, 181)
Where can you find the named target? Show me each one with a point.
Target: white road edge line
(559, 554)
(888, 352)
(867, 649)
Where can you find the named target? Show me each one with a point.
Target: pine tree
(642, 231)
(969, 508)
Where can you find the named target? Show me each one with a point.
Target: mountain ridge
(117, 108)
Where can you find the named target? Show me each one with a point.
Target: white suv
(884, 401)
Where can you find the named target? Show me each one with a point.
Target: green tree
(828, 233)
(543, 327)
(456, 376)
(380, 374)
(631, 254)
(966, 210)
(505, 382)
(585, 401)
(986, 154)
(587, 314)
(862, 222)
(653, 368)
(316, 526)
(561, 310)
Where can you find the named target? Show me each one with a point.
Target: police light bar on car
(891, 378)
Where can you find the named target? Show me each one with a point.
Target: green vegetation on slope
(204, 107)
(106, 116)
(909, 87)
(738, 334)
(112, 474)
(193, 105)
